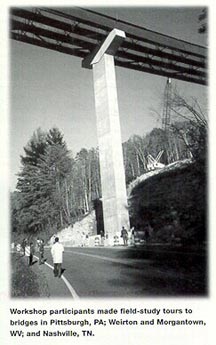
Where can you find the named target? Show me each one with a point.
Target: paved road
(134, 272)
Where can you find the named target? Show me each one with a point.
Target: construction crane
(153, 163)
(167, 105)
(166, 119)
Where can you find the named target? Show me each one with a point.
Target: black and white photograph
(107, 179)
(108, 149)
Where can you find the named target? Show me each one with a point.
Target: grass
(23, 279)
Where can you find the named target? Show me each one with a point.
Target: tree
(55, 137)
(34, 148)
(195, 129)
(54, 167)
(203, 21)
(42, 184)
(95, 174)
(134, 153)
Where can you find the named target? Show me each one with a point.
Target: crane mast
(167, 105)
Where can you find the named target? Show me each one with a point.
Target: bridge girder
(79, 32)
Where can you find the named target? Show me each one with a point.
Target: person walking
(37, 244)
(124, 235)
(57, 255)
(24, 244)
(41, 251)
(31, 253)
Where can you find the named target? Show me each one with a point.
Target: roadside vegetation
(23, 279)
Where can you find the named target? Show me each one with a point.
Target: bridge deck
(78, 32)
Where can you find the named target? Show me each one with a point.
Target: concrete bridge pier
(114, 196)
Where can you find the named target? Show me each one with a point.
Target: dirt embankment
(171, 205)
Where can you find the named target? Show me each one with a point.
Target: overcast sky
(49, 89)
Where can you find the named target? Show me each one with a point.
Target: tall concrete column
(114, 196)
